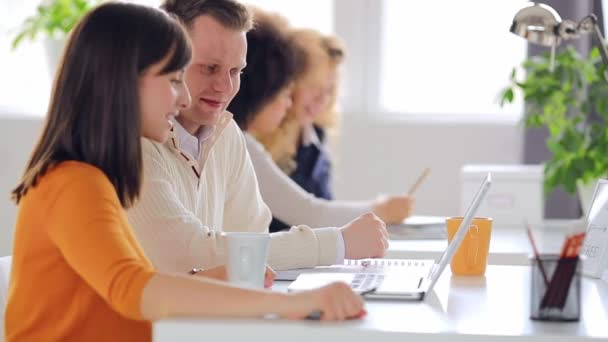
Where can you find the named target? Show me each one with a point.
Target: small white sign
(595, 247)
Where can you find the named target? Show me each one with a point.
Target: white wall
(18, 134)
(372, 157)
(387, 156)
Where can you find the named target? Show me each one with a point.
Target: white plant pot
(585, 194)
(54, 50)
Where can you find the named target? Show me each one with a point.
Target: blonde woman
(298, 145)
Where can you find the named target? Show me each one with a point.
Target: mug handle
(245, 264)
(473, 249)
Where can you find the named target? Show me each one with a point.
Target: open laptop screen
(462, 231)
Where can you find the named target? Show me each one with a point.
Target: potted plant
(572, 102)
(54, 19)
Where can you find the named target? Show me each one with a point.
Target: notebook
(375, 266)
(400, 284)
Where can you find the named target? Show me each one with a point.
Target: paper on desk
(421, 221)
(294, 273)
(377, 266)
(419, 227)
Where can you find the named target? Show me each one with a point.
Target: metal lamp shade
(537, 23)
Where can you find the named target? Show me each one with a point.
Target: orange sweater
(78, 273)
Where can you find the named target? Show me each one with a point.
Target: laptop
(394, 284)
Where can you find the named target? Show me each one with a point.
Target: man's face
(214, 76)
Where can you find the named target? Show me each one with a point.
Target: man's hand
(365, 237)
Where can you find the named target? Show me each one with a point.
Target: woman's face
(268, 119)
(312, 97)
(161, 97)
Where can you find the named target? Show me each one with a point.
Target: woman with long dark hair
(78, 272)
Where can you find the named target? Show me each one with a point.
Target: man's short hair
(230, 13)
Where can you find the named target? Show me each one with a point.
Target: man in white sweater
(201, 182)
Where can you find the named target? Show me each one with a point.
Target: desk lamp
(541, 24)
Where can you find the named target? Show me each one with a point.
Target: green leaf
(594, 53)
(513, 74)
(18, 39)
(54, 19)
(507, 96)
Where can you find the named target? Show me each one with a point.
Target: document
(373, 266)
(419, 227)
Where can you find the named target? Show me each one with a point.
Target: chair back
(5, 272)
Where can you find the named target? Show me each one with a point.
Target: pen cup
(555, 288)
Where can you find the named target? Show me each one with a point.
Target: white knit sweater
(180, 214)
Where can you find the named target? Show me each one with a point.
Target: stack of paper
(419, 227)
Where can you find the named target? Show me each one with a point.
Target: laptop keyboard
(380, 264)
(374, 270)
(366, 281)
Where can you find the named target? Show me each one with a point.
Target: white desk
(459, 309)
(508, 245)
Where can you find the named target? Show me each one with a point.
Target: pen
(368, 291)
(537, 255)
(419, 181)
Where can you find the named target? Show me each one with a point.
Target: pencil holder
(555, 293)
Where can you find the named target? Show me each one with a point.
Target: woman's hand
(269, 277)
(220, 273)
(334, 302)
(394, 209)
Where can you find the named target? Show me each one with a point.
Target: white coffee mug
(246, 255)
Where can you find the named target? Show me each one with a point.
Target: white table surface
(508, 245)
(494, 307)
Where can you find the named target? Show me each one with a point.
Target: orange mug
(471, 257)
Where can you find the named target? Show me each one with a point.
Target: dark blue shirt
(313, 174)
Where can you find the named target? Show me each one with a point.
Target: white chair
(5, 271)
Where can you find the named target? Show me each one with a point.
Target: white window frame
(359, 24)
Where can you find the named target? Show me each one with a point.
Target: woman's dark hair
(94, 114)
(271, 65)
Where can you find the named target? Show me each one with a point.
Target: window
(407, 58)
(317, 14)
(25, 76)
(447, 57)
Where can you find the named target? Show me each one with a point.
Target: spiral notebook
(370, 266)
